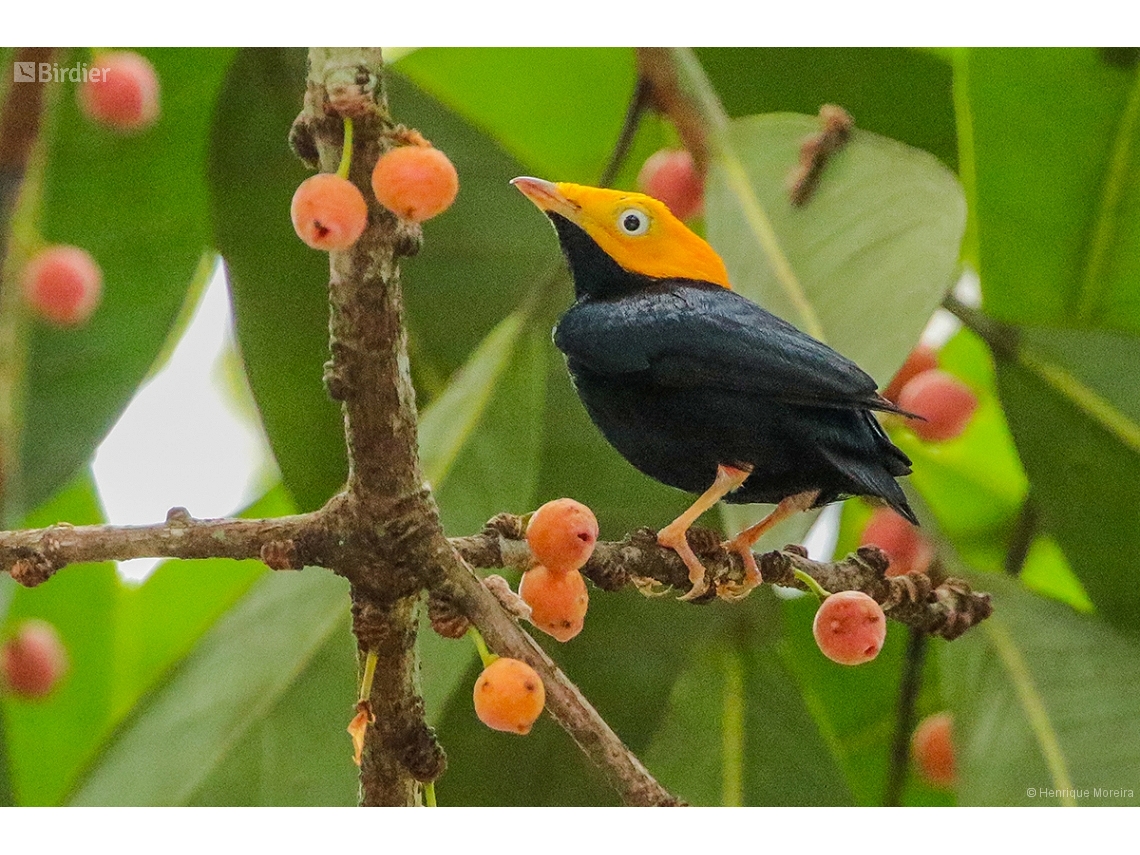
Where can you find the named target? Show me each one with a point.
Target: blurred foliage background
(221, 683)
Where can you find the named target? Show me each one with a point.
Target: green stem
(812, 585)
(346, 151)
(967, 164)
(732, 733)
(429, 794)
(486, 655)
(369, 675)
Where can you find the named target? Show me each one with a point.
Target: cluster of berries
(33, 660)
(947, 404)
(63, 284)
(509, 694)
(415, 182)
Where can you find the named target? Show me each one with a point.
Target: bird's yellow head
(637, 231)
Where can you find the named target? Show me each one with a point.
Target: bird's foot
(677, 540)
(752, 575)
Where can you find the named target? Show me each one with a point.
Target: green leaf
(883, 229)
(298, 754)
(1073, 405)
(735, 726)
(558, 110)
(899, 93)
(278, 285)
(1056, 151)
(234, 680)
(138, 205)
(1043, 698)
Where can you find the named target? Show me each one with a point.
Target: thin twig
(909, 688)
(632, 121)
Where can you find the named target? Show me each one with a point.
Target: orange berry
(562, 534)
(63, 284)
(123, 95)
(328, 212)
(909, 550)
(558, 601)
(850, 628)
(932, 748)
(415, 182)
(671, 177)
(943, 400)
(33, 661)
(922, 358)
(509, 696)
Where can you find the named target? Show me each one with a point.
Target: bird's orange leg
(742, 543)
(674, 535)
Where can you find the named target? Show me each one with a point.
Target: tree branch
(946, 608)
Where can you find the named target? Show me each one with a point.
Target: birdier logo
(51, 72)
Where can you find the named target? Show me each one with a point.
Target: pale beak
(546, 196)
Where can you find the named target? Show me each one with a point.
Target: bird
(700, 388)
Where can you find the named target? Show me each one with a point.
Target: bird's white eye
(633, 222)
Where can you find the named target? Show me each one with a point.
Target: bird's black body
(683, 375)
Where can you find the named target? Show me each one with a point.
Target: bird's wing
(685, 336)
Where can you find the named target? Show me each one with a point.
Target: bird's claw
(752, 576)
(678, 541)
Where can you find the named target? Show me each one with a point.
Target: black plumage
(682, 375)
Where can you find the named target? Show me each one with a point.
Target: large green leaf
(226, 691)
(138, 204)
(1073, 402)
(278, 285)
(737, 723)
(1055, 140)
(869, 257)
(1044, 699)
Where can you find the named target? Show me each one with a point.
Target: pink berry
(415, 182)
(63, 284)
(509, 696)
(328, 212)
(122, 92)
(671, 177)
(562, 534)
(909, 550)
(558, 601)
(922, 358)
(943, 400)
(932, 748)
(33, 661)
(850, 628)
